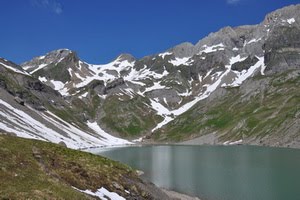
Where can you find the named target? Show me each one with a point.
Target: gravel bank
(178, 196)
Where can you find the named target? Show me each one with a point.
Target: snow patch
(137, 83)
(79, 64)
(70, 72)
(291, 20)
(156, 86)
(263, 67)
(236, 59)
(161, 110)
(185, 94)
(26, 67)
(60, 87)
(116, 66)
(144, 74)
(102, 193)
(165, 101)
(164, 54)
(167, 119)
(84, 95)
(129, 92)
(233, 143)
(102, 96)
(79, 77)
(138, 140)
(109, 139)
(254, 40)
(61, 59)
(243, 75)
(214, 48)
(181, 61)
(43, 79)
(41, 66)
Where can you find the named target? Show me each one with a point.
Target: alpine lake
(234, 172)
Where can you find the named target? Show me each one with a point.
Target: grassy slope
(130, 117)
(31, 169)
(235, 116)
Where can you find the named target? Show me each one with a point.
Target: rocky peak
(53, 57)
(126, 56)
(221, 37)
(58, 54)
(182, 50)
(289, 14)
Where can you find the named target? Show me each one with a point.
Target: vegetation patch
(128, 117)
(31, 169)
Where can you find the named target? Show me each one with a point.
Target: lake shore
(178, 196)
(213, 140)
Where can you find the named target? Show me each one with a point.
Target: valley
(235, 90)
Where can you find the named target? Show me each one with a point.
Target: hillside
(39, 170)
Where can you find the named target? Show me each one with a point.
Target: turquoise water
(217, 172)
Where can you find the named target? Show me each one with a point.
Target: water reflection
(161, 166)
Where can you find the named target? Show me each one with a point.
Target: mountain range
(237, 85)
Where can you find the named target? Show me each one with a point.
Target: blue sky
(99, 30)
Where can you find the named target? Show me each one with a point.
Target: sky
(100, 30)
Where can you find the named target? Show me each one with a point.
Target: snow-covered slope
(161, 78)
(37, 125)
(20, 115)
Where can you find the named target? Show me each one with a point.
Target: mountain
(237, 85)
(31, 109)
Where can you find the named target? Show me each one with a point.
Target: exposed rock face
(183, 50)
(115, 83)
(26, 88)
(245, 64)
(155, 94)
(282, 49)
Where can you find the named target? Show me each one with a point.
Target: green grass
(31, 169)
(220, 121)
(129, 117)
(252, 122)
